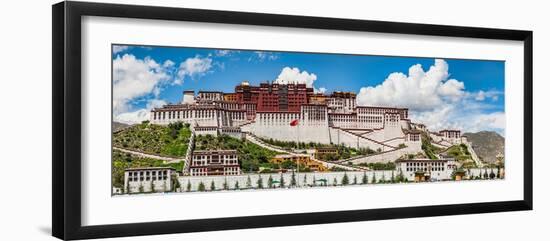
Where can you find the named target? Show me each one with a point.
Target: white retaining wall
(309, 179)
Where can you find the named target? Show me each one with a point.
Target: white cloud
(321, 90)
(266, 55)
(133, 117)
(168, 64)
(294, 76)
(495, 121)
(451, 116)
(222, 52)
(436, 100)
(155, 103)
(482, 95)
(419, 90)
(436, 119)
(134, 78)
(119, 48)
(192, 67)
(137, 116)
(261, 56)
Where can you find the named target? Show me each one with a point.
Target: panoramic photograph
(189, 119)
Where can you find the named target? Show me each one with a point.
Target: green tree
(492, 174)
(248, 182)
(293, 179)
(345, 179)
(212, 186)
(401, 177)
(270, 182)
(382, 179)
(364, 180)
(260, 182)
(373, 181)
(282, 181)
(188, 188)
(202, 188)
(335, 182)
(225, 185)
(392, 179)
(175, 183)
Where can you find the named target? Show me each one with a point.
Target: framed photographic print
(170, 120)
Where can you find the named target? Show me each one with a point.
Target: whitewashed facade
(148, 179)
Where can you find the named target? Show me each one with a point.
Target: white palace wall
(309, 178)
(311, 132)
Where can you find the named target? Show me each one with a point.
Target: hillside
(172, 141)
(251, 156)
(168, 140)
(486, 144)
(122, 161)
(117, 126)
(461, 154)
(343, 152)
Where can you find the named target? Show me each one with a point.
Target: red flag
(294, 122)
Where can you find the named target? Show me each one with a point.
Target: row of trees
(485, 174)
(153, 188)
(293, 182)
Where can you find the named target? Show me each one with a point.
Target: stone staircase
(256, 140)
(189, 153)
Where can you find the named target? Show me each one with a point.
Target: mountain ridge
(486, 144)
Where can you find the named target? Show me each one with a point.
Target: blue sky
(146, 76)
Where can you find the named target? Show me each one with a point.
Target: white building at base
(148, 179)
(436, 170)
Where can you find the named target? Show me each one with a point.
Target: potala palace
(266, 110)
(293, 112)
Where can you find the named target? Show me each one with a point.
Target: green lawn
(461, 154)
(251, 156)
(168, 140)
(343, 151)
(379, 165)
(428, 148)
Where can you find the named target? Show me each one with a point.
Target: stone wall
(330, 178)
(311, 179)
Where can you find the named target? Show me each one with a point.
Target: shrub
(201, 187)
(345, 179)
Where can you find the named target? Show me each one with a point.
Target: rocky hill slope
(486, 144)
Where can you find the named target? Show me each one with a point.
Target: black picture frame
(66, 157)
